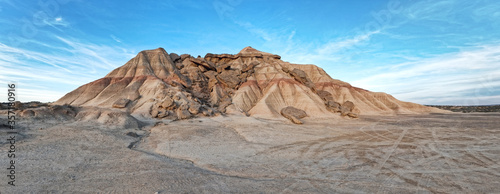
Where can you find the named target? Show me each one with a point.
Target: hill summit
(259, 84)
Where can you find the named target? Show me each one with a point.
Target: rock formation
(162, 85)
(293, 114)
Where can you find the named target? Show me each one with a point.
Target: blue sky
(428, 52)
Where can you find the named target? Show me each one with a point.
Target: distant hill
(466, 109)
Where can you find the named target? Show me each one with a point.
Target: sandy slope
(453, 153)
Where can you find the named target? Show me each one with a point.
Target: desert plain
(427, 153)
(242, 123)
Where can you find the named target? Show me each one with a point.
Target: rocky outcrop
(301, 77)
(294, 114)
(258, 84)
(347, 108)
(121, 103)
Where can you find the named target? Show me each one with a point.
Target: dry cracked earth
(435, 153)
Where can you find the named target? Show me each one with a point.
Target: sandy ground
(450, 153)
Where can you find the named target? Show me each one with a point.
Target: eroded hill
(162, 85)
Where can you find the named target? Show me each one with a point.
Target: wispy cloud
(55, 22)
(96, 56)
(344, 43)
(453, 11)
(339, 49)
(65, 67)
(264, 34)
(471, 75)
(116, 39)
(58, 21)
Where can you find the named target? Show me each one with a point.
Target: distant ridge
(466, 109)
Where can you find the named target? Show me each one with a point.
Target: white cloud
(55, 22)
(456, 78)
(96, 55)
(255, 30)
(115, 38)
(334, 51)
(47, 76)
(344, 43)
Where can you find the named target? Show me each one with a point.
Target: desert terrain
(243, 123)
(433, 153)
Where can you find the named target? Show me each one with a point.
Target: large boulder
(175, 57)
(183, 113)
(326, 96)
(229, 78)
(294, 114)
(168, 103)
(194, 108)
(347, 108)
(155, 111)
(121, 103)
(301, 77)
(332, 106)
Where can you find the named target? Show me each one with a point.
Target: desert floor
(452, 153)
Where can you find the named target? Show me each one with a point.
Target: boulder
(301, 77)
(155, 111)
(185, 56)
(183, 113)
(285, 69)
(294, 114)
(175, 57)
(207, 111)
(332, 106)
(168, 103)
(229, 78)
(163, 114)
(224, 103)
(326, 96)
(346, 108)
(352, 115)
(194, 108)
(121, 103)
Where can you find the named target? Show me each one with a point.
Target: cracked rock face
(259, 84)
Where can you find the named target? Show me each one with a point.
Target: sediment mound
(111, 118)
(57, 112)
(107, 117)
(162, 85)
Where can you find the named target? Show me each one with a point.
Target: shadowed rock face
(259, 84)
